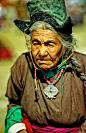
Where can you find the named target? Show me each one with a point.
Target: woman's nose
(43, 50)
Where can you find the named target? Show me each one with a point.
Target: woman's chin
(45, 67)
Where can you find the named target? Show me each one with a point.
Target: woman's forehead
(44, 33)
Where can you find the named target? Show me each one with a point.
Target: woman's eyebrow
(35, 40)
(50, 41)
(47, 41)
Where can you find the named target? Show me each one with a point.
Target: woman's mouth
(43, 61)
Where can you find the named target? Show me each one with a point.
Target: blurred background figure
(22, 10)
(5, 52)
(12, 9)
(8, 12)
(77, 10)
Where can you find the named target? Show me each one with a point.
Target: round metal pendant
(51, 91)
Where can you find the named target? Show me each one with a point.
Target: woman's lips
(43, 61)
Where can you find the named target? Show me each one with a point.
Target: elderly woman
(46, 89)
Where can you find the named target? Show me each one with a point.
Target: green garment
(14, 115)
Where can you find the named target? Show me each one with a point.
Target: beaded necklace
(57, 77)
(51, 91)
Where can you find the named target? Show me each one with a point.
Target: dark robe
(67, 110)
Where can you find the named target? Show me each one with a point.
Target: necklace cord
(62, 85)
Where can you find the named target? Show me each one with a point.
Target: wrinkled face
(46, 48)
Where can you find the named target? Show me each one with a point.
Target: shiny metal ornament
(51, 91)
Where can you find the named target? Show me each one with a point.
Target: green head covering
(50, 11)
(55, 8)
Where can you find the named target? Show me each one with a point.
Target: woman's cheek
(35, 48)
(34, 52)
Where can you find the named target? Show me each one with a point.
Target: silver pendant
(51, 91)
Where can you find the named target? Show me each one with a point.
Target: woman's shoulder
(23, 59)
(22, 62)
(81, 58)
(80, 55)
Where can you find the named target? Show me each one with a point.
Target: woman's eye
(50, 44)
(35, 43)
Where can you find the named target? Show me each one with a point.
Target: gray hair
(68, 42)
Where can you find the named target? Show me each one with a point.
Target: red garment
(26, 121)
